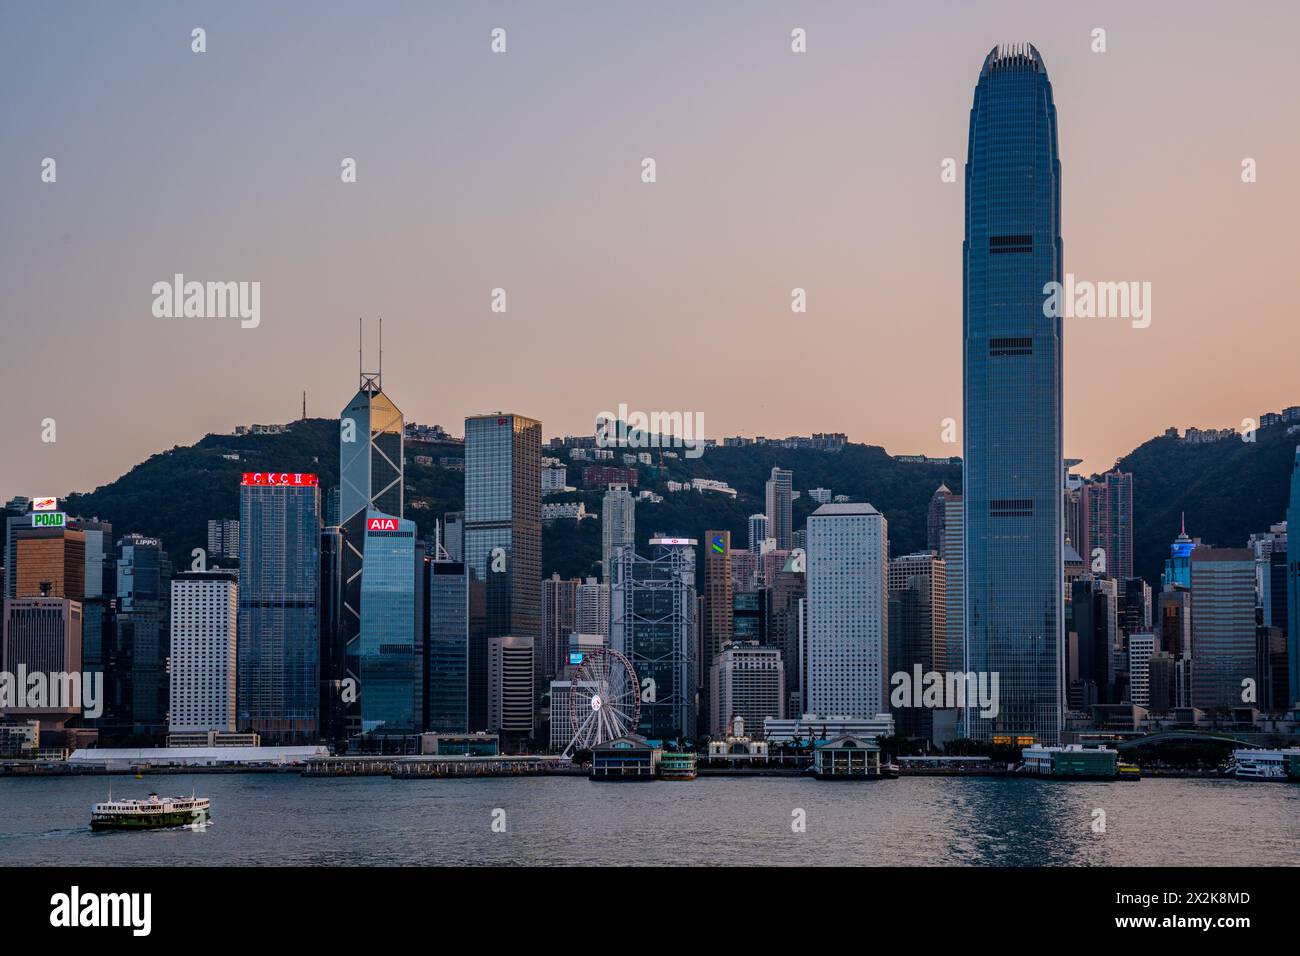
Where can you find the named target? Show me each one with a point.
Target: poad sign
(49, 519)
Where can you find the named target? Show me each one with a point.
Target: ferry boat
(151, 814)
(1071, 762)
(677, 766)
(1264, 764)
(1128, 771)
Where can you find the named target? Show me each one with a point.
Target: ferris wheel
(606, 699)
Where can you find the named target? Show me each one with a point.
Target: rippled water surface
(285, 819)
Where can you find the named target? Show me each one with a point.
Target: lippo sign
(49, 519)
(292, 479)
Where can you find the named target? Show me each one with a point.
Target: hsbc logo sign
(381, 524)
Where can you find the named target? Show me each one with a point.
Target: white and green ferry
(153, 813)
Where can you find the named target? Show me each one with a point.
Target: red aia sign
(381, 524)
(290, 478)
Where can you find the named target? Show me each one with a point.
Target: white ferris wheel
(606, 700)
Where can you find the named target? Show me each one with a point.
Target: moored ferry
(677, 766)
(150, 814)
(1264, 764)
(1072, 762)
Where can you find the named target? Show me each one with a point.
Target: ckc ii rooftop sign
(277, 478)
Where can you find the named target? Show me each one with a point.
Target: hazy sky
(522, 171)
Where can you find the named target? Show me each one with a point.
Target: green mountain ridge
(1228, 489)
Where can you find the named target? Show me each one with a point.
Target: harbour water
(284, 819)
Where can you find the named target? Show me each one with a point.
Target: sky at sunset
(522, 171)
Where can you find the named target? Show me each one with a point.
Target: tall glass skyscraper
(780, 500)
(141, 645)
(1012, 396)
(389, 667)
(502, 543)
(277, 692)
(371, 437)
(446, 660)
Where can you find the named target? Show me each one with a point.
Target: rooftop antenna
(381, 352)
(440, 553)
(371, 382)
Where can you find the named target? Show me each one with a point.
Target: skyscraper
(510, 677)
(758, 532)
(934, 517)
(502, 543)
(445, 655)
(136, 678)
(617, 526)
(780, 501)
(952, 548)
(49, 562)
(786, 589)
(388, 658)
(334, 701)
(1090, 671)
(1293, 585)
(748, 682)
(918, 629)
(848, 611)
(453, 534)
(43, 636)
(1012, 396)
(652, 608)
(278, 672)
(591, 609)
(1107, 525)
(371, 476)
(559, 620)
(718, 608)
(1223, 625)
(204, 615)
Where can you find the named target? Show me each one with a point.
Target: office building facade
(653, 608)
(502, 543)
(1012, 397)
(848, 611)
(278, 659)
(204, 643)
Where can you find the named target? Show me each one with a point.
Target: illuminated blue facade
(1012, 397)
(390, 685)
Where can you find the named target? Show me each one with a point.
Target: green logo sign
(49, 519)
